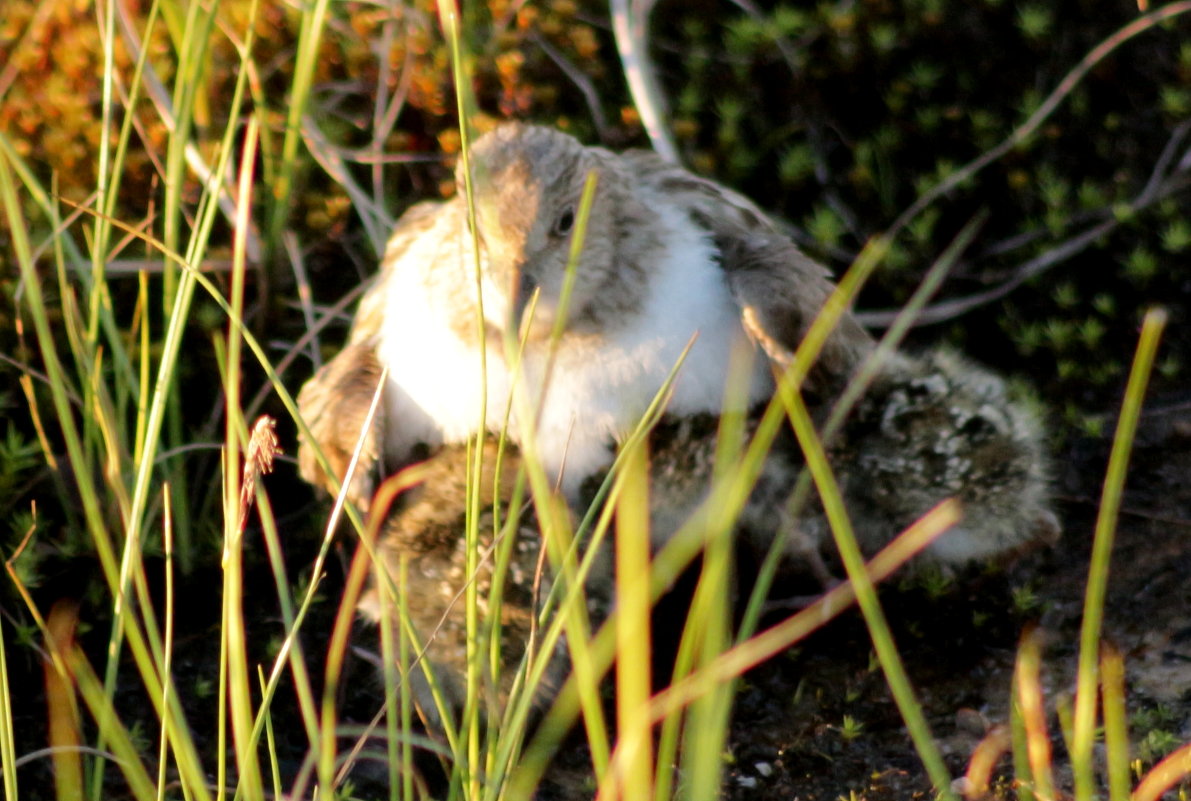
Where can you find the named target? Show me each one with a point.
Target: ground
(788, 738)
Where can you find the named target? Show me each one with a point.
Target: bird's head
(527, 184)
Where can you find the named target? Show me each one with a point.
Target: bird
(937, 425)
(335, 402)
(931, 426)
(465, 317)
(422, 551)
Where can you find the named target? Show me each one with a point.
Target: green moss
(1176, 237)
(1035, 21)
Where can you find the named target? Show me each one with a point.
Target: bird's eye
(565, 221)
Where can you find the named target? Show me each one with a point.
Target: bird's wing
(334, 403)
(779, 289)
(780, 292)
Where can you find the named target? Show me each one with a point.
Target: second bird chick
(423, 551)
(929, 428)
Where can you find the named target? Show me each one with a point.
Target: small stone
(971, 721)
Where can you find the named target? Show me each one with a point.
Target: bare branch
(576, 76)
(950, 309)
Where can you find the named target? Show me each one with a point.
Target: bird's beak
(532, 314)
(521, 292)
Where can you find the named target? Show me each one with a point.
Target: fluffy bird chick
(936, 427)
(335, 404)
(666, 257)
(929, 428)
(426, 530)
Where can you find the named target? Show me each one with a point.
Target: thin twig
(941, 312)
(305, 300)
(1153, 191)
(376, 220)
(1164, 159)
(307, 336)
(950, 309)
(582, 81)
(386, 109)
(29, 370)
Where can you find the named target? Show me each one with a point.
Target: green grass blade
(270, 740)
(168, 643)
(314, 19)
(8, 757)
(1116, 727)
(235, 511)
(633, 635)
(856, 386)
(99, 703)
(99, 292)
(808, 351)
(866, 595)
(733, 662)
(1024, 778)
(1084, 728)
(465, 773)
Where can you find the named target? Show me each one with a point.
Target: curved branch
(950, 309)
(630, 26)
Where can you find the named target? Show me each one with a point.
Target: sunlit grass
(8, 757)
(1106, 522)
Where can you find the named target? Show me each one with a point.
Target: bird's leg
(802, 548)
